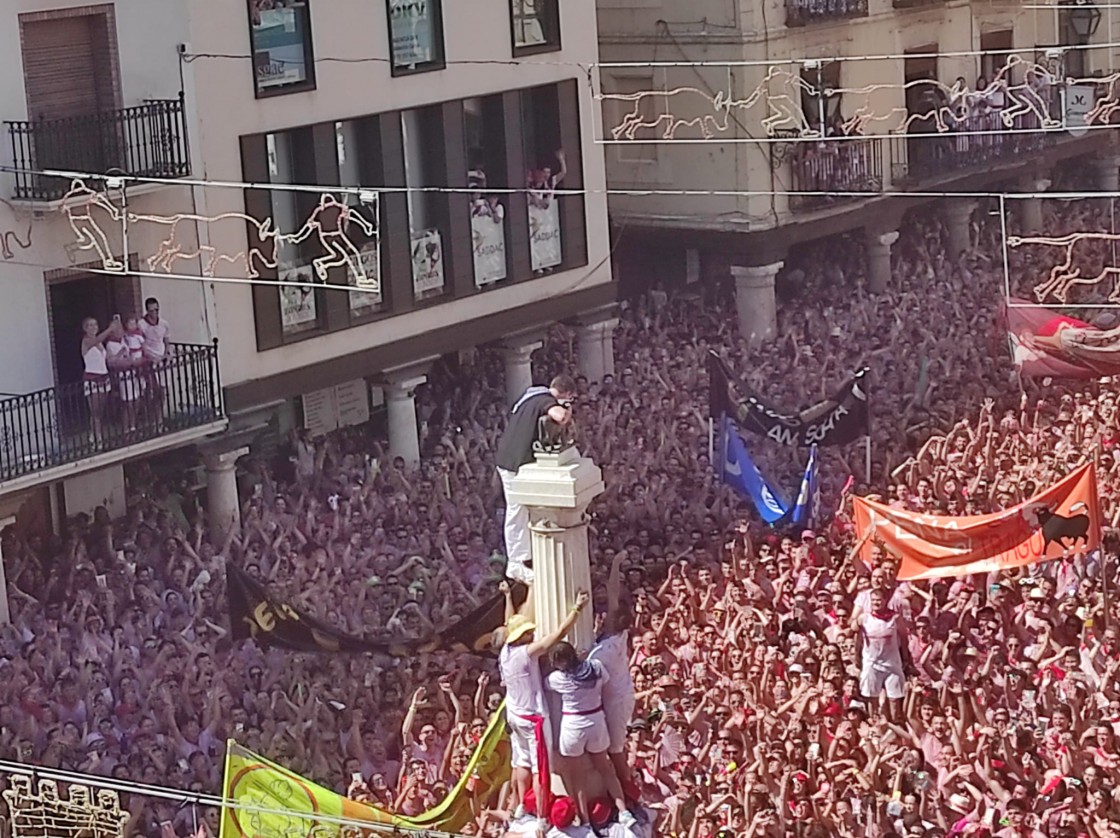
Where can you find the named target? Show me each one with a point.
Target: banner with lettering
(297, 299)
(254, 613)
(835, 421)
(412, 26)
(1060, 521)
(545, 248)
(488, 234)
(427, 262)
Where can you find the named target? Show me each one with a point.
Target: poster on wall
(369, 297)
(331, 408)
(544, 233)
(1081, 99)
(297, 299)
(279, 55)
(427, 262)
(489, 240)
(413, 32)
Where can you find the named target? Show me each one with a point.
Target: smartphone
(101, 583)
(356, 777)
(815, 750)
(120, 555)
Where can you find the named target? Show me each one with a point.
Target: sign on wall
(297, 299)
(427, 262)
(279, 55)
(544, 234)
(413, 32)
(1080, 101)
(331, 408)
(488, 233)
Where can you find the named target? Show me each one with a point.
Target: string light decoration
(1074, 253)
(780, 99)
(38, 811)
(13, 233)
(89, 212)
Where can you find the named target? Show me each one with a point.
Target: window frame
(553, 13)
(308, 82)
(438, 43)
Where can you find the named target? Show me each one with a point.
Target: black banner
(719, 393)
(255, 613)
(838, 420)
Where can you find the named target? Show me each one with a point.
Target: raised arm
(542, 645)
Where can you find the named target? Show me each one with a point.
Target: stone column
(1031, 218)
(519, 368)
(1108, 173)
(754, 301)
(5, 609)
(404, 433)
(222, 502)
(958, 224)
(879, 260)
(596, 348)
(557, 489)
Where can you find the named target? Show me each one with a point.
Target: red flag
(1047, 343)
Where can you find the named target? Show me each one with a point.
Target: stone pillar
(519, 368)
(958, 225)
(557, 489)
(596, 348)
(1031, 218)
(5, 609)
(879, 260)
(404, 433)
(754, 301)
(1108, 174)
(222, 502)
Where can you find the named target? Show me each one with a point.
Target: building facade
(323, 198)
(808, 118)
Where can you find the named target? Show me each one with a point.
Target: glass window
(416, 35)
(280, 33)
(361, 230)
(420, 170)
(548, 161)
(486, 169)
(536, 25)
(299, 310)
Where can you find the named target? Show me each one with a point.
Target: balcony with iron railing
(803, 12)
(147, 140)
(848, 167)
(56, 426)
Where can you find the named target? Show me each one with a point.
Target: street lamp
(1082, 19)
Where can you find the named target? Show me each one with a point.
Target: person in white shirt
(612, 650)
(583, 725)
(883, 643)
(519, 665)
(156, 332)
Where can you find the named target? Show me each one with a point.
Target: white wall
(88, 491)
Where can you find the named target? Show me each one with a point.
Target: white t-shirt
(880, 643)
(155, 337)
(521, 676)
(612, 653)
(578, 697)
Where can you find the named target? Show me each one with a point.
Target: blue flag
(807, 509)
(740, 473)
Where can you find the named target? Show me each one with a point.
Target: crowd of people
(781, 686)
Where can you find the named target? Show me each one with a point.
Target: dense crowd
(748, 649)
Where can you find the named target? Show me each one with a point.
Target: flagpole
(711, 442)
(867, 445)
(1105, 593)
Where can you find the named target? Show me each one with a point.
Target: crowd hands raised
(781, 687)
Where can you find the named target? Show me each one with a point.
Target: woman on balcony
(125, 356)
(95, 378)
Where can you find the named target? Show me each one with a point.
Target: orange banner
(1061, 521)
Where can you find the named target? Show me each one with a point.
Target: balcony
(165, 402)
(148, 140)
(842, 165)
(803, 12)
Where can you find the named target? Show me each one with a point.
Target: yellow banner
(267, 801)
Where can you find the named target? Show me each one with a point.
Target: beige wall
(222, 93)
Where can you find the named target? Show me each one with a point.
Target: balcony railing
(839, 165)
(148, 140)
(58, 425)
(802, 12)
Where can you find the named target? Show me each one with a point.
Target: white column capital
(521, 350)
(756, 276)
(223, 460)
(886, 240)
(396, 389)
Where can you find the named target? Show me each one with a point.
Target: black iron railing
(802, 12)
(837, 166)
(71, 422)
(148, 140)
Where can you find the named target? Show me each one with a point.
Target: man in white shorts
(882, 642)
(519, 665)
(612, 650)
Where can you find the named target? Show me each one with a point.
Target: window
(818, 108)
(995, 53)
(361, 237)
(548, 168)
(635, 118)
(299, 306)
(424, 208)
(280, 34)
(416, 35)
(484, 130)
(536, 25)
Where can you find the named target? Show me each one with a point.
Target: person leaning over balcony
(515, 449)
(95, 377)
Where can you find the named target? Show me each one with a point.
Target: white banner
(370, 296)
(427, 262)
(412, 30)
(544, 232)
(488, 233)
(297, 298)
(1080, 100)
(336, 407)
